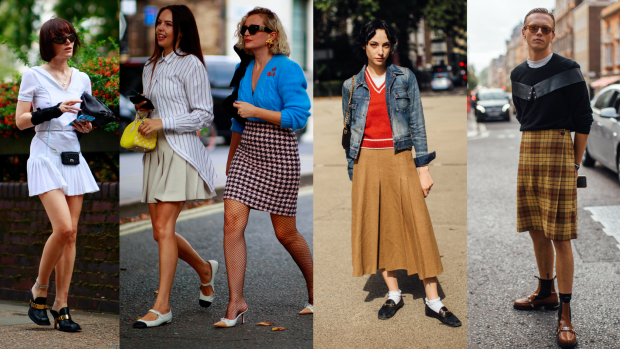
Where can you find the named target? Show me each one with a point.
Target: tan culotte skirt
(391, 228)
(547, 184)
(167, 177)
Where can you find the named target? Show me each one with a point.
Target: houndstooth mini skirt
(264, 173)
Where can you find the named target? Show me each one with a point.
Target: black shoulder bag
(236, 80)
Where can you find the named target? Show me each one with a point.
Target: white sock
(434, 304)
(394, 295)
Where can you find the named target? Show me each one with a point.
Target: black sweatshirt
(564, 108)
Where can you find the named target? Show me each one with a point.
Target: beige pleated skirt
(391, 228)
(167, 177)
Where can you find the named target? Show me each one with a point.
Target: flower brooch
(272, 72)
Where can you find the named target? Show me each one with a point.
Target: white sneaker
(206, 301)
(162, 319)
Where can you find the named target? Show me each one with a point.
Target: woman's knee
(562, 246)
(65, 232)
(73, 236)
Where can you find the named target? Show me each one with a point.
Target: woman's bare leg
(430, 287)
(286, 231)
(390, 280)
(163, 217)
(64, 266)
(57, 210)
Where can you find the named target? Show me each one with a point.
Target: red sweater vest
(378, 131)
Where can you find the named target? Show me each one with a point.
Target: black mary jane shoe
(389, 309)
(444, 316)
(37, 311)
(62, 320)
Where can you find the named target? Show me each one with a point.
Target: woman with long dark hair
(391, 228)
(263, 162)
(179, 169)
(53, 90)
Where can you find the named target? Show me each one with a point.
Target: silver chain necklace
(57, 78)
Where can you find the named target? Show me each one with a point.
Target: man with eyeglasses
(551, 100)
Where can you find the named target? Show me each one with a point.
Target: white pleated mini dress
(45, 169)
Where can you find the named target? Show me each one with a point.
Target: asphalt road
(502, 265)
(274, 286)
(346, 312)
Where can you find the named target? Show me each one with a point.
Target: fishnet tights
(235, 221)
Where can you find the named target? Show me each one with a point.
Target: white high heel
(205, 301)
(307, 310)
(162, 319)
(224, 322)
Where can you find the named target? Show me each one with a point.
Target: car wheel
(587, 160)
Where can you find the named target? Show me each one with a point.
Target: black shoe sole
(537, 307)
(204, 304)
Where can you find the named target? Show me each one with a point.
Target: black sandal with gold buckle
(62, 319)
(37, 311)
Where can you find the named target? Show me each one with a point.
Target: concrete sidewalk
(18, 331)
(346, 312)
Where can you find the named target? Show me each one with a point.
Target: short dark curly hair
(51, 28)
(368, 31)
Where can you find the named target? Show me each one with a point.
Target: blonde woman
(263, 162)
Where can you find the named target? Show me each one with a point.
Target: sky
(490, 23)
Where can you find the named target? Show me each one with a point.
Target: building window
(617, 55)
(608, 57)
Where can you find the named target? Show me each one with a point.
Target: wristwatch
(577, 166)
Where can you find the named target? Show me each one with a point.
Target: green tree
(484, 76)
(472, 81)
(18, 20)
(104, 13)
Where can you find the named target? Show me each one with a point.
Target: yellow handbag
(133, 140)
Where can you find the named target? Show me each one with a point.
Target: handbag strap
(346, 119)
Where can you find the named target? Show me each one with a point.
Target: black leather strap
(548, 85)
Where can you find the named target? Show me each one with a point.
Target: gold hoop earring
(269, 43)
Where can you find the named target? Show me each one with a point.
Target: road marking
(609, 217)
(135, 227)
(481, 131)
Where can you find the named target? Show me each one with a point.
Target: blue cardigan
(281, 87)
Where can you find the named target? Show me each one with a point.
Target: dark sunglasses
(254, 28)
(62, 39)
(534, 29)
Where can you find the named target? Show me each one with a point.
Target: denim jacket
(404, 110)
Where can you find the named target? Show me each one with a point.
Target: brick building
(587, 38)
(610, 46)
(563, 42)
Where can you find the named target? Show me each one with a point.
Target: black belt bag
(70, 157)
(548, 85)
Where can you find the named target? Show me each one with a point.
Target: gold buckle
(38, 306)
(64, 317)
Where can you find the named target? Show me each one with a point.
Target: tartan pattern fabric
(264, 173)
(547, 184)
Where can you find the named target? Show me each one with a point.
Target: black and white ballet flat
(205, 301)
(162, 319)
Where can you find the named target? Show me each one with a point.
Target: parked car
(220, 69)
(604, 140)
(441, 81)
(492, 104)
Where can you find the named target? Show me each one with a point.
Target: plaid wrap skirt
(264, 173)
(547, 184)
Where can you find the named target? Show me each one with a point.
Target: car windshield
(486, 96)
(220, 73)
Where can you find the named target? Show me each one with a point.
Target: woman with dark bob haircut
(53, 92)
(179, 169)
(391, 228)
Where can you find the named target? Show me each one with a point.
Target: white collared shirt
(185, 106)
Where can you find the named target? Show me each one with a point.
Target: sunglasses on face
(534, 29)
(62, 39)
(254, 28)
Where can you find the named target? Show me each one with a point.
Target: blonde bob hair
(271, 21)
